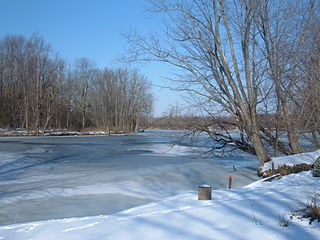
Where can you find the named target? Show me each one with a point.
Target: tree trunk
(291, 130)
(274, 142)
(258, 146)
(83, 118)
(315, 138)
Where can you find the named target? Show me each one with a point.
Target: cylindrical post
(204, 192)
(230, 182)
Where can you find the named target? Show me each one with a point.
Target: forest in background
(39, 90)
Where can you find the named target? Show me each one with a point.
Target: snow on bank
(24, 132)
(252, 212)
(308, 158)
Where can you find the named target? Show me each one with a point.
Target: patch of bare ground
(285, 170)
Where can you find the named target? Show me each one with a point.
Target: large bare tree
(234, 57)
(213, 46)
(283, 28)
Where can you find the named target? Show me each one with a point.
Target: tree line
(39, 90)
(249, 60)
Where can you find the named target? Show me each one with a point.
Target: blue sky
(86, 28)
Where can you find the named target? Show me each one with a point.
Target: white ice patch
(173, 149)
(37, 149)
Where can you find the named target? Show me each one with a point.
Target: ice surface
(36, 209)
(57, 177)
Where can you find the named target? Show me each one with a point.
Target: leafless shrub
(310, 210)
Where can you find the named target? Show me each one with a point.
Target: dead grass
(286, 170)
(311, 210)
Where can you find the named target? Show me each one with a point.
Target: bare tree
(53, 91)
(309, 87)
(84, 72)
(233, 57)
(215, 49)
(276, 27)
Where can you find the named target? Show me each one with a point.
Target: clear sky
(86, 28)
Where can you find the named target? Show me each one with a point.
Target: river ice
(57, 177)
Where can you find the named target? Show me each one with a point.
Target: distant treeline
(38, 91)
(189, 122)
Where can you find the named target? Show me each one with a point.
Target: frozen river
(58, 177)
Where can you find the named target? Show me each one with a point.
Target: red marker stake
(230, 181)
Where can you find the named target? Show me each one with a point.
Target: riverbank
(261, 210)
(23, 132)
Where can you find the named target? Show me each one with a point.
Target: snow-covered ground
(258, 211)
(308, 158)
